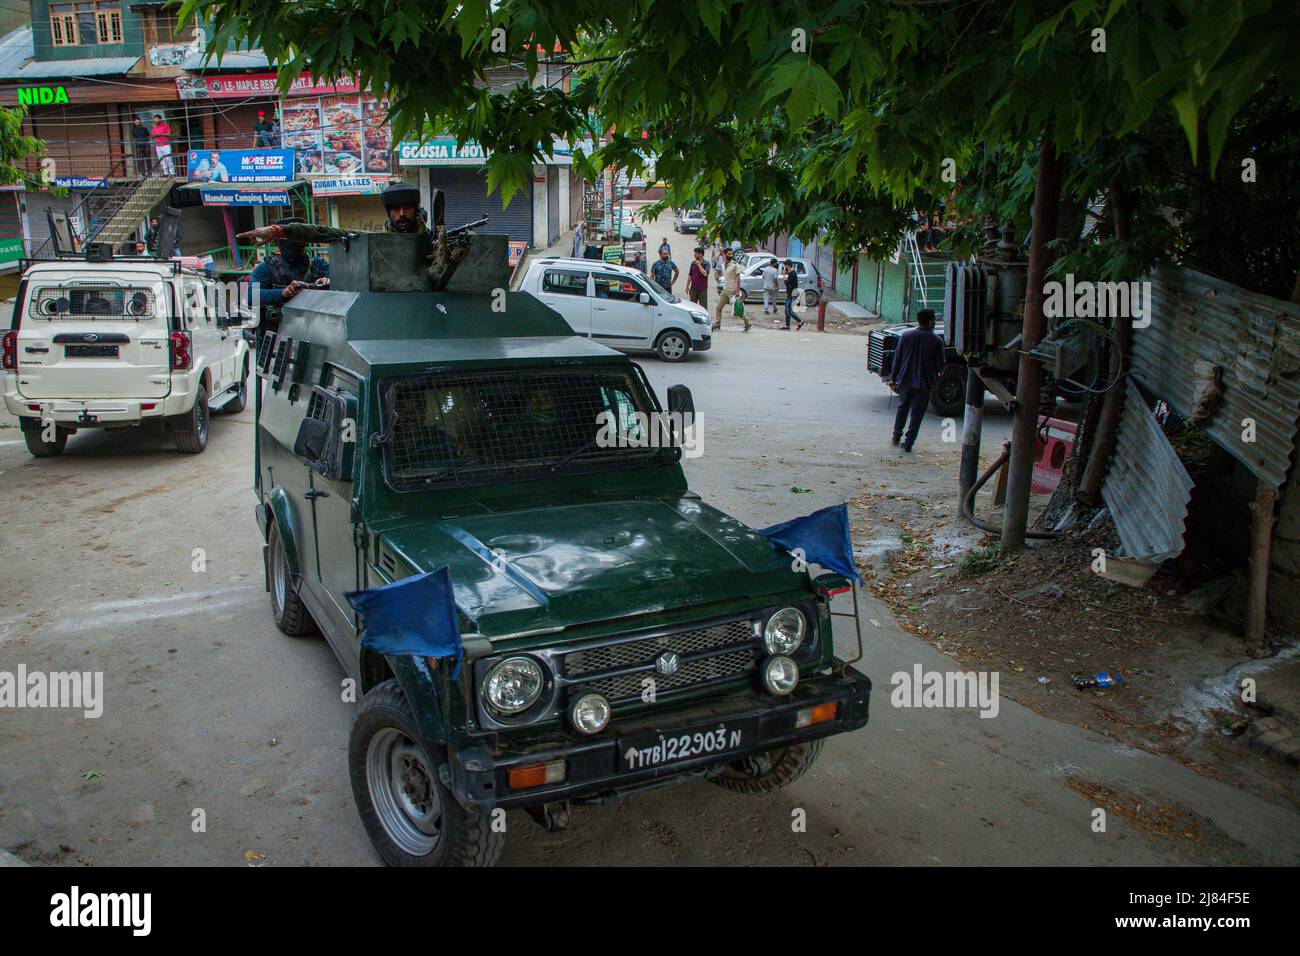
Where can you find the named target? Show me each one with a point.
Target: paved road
(210, 708)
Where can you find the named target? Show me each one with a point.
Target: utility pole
(1029, 381)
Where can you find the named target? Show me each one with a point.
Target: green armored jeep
(618, 633)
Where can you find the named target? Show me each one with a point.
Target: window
(476, 427)
(80, 24)
(564, 283)
(617, 287)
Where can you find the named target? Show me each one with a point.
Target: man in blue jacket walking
(918, 360)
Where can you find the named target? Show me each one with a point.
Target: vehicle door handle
(601, 308)
(314, 494)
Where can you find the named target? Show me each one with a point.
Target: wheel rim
(672, 347)
(279, 577)
(404, 792)
(201, 418)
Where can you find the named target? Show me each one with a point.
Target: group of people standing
(151, 143)
(724, 267)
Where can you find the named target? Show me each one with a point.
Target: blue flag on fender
(821, 537)
(413, 617)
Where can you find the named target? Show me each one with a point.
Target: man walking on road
(730, 290)
(918, 360)
(664, 272)
(791, 294)
(769, 287)
(697, 279)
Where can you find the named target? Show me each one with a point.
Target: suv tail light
(10, 349)
(181, 357)
(820, 282)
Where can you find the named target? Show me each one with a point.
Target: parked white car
(120, 343)
(618, 306)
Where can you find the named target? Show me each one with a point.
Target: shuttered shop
(552, 204)
(467, 199)
(893, 291)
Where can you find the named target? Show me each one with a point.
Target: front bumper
(702, 344)
(478, 776)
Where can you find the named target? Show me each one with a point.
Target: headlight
(780, 675)
(784, 631)
(513, 685)
(589, 713)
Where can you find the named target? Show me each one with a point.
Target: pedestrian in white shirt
(770, 276)
(730, 290)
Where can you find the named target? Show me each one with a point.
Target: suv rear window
(449, 428)
(92, 300)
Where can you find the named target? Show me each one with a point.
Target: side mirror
(681, 414)
(644, 298)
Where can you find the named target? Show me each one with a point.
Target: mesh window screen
(89, 300)
(473, 427)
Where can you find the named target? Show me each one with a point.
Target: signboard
(348, 186)
(345, 136)
(41, 95)
(245, 197)
(256, 84)
(612, 253)
(78, 182)
(517, 249)
(241, 166)
(11, 250)
(441, 151)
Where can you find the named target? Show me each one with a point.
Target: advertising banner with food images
(256, 84)
(339, 136)
(241, 166)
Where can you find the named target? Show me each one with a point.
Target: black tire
(240, 401)
(949, 396)
(773, 771)
(290, 613)
(40, 448)
(190, 430)
(399, 815)
(673, 345)
(811, 298)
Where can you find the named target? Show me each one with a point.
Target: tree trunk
(1029, 381)
(1103, 442)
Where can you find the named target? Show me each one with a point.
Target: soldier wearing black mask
(282, 276)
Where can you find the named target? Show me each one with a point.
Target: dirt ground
(1043, 618)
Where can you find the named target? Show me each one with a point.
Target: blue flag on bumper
(820, 538)
(413, 617)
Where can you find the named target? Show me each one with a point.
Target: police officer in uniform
(283, 275)
(402, 203)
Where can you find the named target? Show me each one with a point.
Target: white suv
(119, 343)
(619, 306)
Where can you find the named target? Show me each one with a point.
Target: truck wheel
(240, 401)
(41, 448)
(949, 396)
(290, 613)
(410, 817)
(673, 346)
(190, 431)
(770, 771)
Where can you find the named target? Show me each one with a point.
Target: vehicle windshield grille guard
(453, 427)
(92, 300)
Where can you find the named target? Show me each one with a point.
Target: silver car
(688, 220)
(751, 278)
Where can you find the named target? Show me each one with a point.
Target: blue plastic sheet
(821, 537)
(413, 617)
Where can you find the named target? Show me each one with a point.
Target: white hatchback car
(122, 342)
(618, 306)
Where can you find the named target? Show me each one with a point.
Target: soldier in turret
(402, 204)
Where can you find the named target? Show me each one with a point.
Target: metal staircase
(927, 272)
